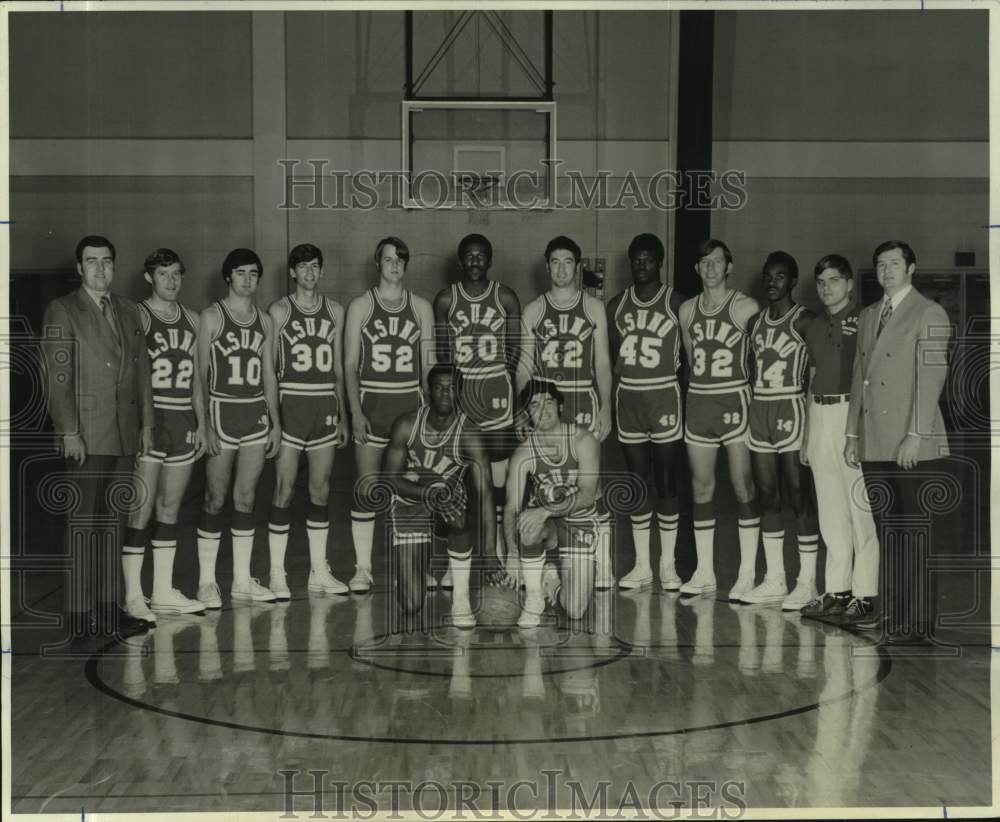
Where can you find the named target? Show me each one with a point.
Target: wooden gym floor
(203, 713)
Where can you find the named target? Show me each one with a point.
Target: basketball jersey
(564, 345)
(434, 459)
(781, 354)
(235, 368)
(306, 348)
(170, 344)
(650, 350)
(551, 482)
(479, 328)
(719, 349)
(390, 346)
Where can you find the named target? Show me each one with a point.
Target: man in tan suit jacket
(894, 424)
(100, 401)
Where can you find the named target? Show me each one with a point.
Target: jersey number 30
(304, 357)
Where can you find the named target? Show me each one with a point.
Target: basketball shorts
(580, 407)
(717, 419)
(574, 536)
(309, 421)
(413, 523)
(383, 408)
(648, 414)
(239, 423)
(777, 424)
(488, 401)
(174, 432)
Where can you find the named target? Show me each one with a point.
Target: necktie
(109, 315)
(884, 317)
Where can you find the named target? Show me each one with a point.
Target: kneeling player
(559, 464)
(426, 463)
(178, 439)
(309, 334)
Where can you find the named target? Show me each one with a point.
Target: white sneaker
(251, 590)
(461, 614)
(531, 613)
(701, 582)
(802, 595)
(175, 602)
(744, 585)
(446, 580)
(137, 609)
(279, 587)
(770, 591)
(636, 578)
(669, 581)
(362, 580)
(210, 596)
(432, 582)
(324, 582)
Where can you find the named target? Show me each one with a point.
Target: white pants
(845, 521)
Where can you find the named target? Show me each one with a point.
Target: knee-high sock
(774, 544)
(363, 533)
(242, 530)
(133, 552)
(498, 471)
(808, 550)
(209, 536)
(460, 565)
(640, 537)
(317, 530)
(602, 556)
(278, 527)
(668, 520)
(749, 528)
(704, 536)
(164, 550)
(531, 573)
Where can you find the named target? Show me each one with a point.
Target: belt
(830, 399)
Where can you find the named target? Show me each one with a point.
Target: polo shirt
(832, 341)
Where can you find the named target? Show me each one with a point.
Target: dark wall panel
(201, 218)
(134, 74)
(851, 75)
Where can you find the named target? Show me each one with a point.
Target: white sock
(774, 546)
(602, 557)
(668, 536)
(277, 543)
(242, 549)
(531, 573)
(640, 538)
(363, 534)
(460, 568)
(501, 545)
(317, 532)
(808, 549)
(704, 546)
(132, 570)
(208, 551)
(749, 537)
(163, 567)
